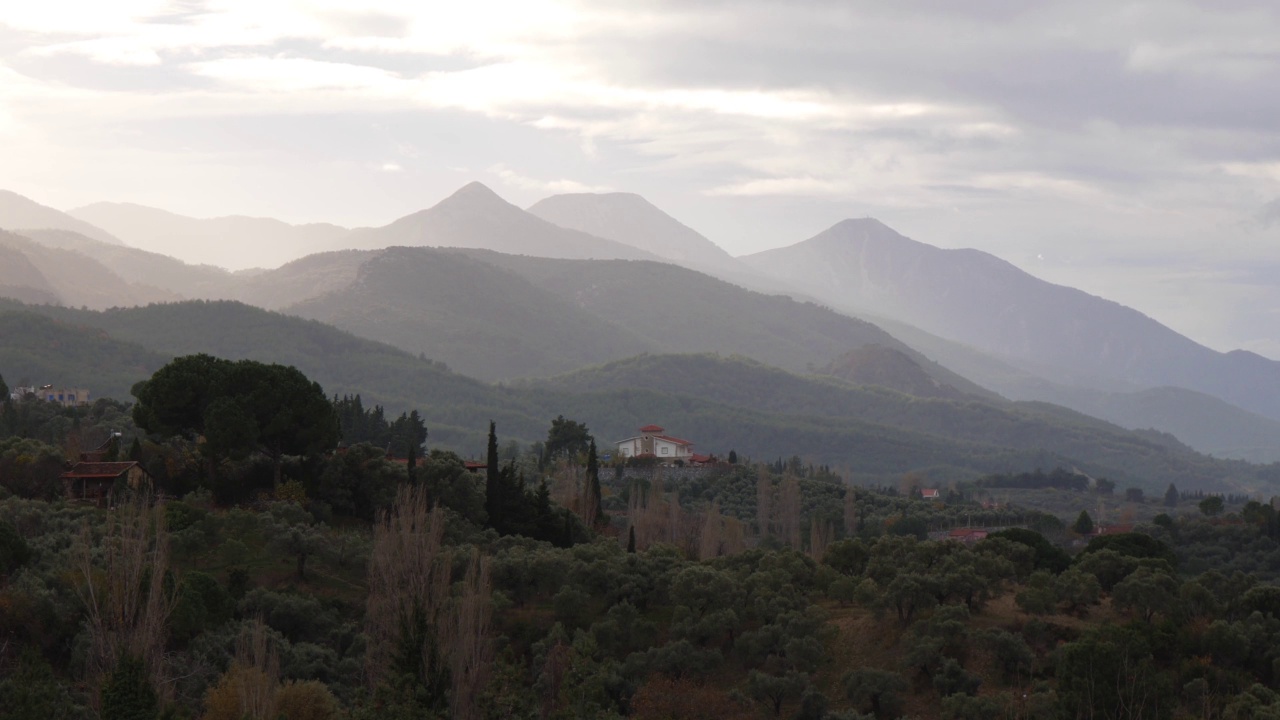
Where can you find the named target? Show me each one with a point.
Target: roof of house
(701, 458)
(670, 439)
(650, 429)
(929, 492)
(98, 470)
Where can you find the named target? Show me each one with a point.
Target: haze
(1128, 149)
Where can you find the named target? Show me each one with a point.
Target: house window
(664, 450)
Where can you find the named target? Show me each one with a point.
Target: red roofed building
(967, 535)
(930, 494)
(652, 443)
(96, 481)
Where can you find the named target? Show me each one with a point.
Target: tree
(876, 691)
(1133, 494)
(1147, 592)
(631, 540)
(1171, 496)
(593, 478)
(733, 457)
(565, 439)
(127, 693)
(1104, 486)
(1083, 524)
(1211, 505)
(237, 407)
(491, 500)
(4, 391)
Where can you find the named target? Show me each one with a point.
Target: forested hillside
(720, 404)
(338, 583)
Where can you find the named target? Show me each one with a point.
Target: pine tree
(135, 451)
(1171, 496)
(631, 541)
(733, 457)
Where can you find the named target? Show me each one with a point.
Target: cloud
(1114, 127)
(515, 179)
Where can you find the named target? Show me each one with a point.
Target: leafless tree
(764, 502)
(850, 512)
(471, 648)
(122, 586)
(409, 577)
(789, 512)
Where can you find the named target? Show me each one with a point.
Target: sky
(1131, 149)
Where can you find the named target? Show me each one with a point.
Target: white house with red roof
(651, 442)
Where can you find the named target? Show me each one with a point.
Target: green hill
(1096, 446)
(719, 404)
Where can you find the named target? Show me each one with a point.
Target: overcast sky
(1131, 149)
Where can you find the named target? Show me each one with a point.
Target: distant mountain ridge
(872, 434)
(608, 310)
(630, 219)
(235, 241)
(475, 217)
(21, 213)
(978, 299)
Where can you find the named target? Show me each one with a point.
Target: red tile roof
(670, 439)
(929, 493)
(92, 470)
(700, 458)
(650, 429)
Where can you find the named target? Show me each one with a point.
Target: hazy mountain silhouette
(1054, 331)
(475, 217)
(630, 219)
(234, 242)
(719, 402)
(20, 213)
(141, 266)
(76, 279)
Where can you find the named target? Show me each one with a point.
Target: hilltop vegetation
(741, 592)
(874, 434)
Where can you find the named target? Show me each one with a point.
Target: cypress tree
(631, 541)
(593, 476)
(491, 479)
(1171, 496)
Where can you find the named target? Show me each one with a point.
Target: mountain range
(583, 279)
(722, 403)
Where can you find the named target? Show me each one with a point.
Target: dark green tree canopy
(566, 438)
(238, 407)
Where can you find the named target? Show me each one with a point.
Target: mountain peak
(632, 220)
(22, 213)
(475, 191)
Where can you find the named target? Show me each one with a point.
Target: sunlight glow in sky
(1128, 148)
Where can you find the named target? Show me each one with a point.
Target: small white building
(652, 443)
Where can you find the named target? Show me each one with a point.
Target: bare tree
(259, 675)
(764, 502)
(409, 578)
(711, 541)
(820, 534)
(472, 646)
(122, 586)
(789, 512)
(850, 512)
